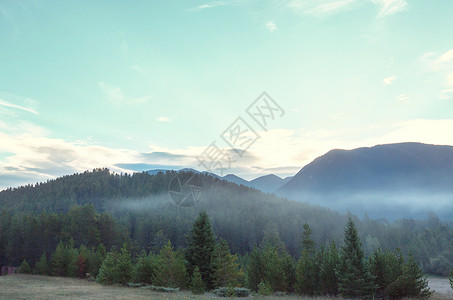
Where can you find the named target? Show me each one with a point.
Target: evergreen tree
(386, 267)
(328, 277)
(289, 268)
(226, 268)
(159, 241)
(264, 288)
(200, 249)
(99, 257)
(197, 285)
(255, 269)
(24, 267)
(274, 273)
(354, 278)
(63, 262)
(42, 265)
(108, 273)
(412, 283)
(271, 237)
(170, 268)
(305, 283)
(306, 268)
(307, 243)
(124, 266)
(145, 268)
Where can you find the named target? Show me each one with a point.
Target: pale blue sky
(87, 84)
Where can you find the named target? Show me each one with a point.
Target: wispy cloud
(441, 64)
(116, 96)
(389, 80)
(137, 68)
(446, 94)
(446, 57)
(403, 98)
(435, 61)
(390, 7)
(210, 4)
(163, 119)
(11, 105)
(16, 102)
(322, 7)
(336, 116)
(271, 26)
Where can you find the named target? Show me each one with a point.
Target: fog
(389, 205)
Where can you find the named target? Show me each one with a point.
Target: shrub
(161, 289)
(197, 285)
(24, 267)
(264, 289)
(225, 292)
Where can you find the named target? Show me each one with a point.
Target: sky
(142, 85)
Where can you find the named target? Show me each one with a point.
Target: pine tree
(412, 283)
(170, 268)
(99, 257)
(145, 268)
(264, 288)
(255, 269)
(42, 265)
(386, 267)
(124, 266)
(226, 268)
(289, 268)
(72, 256)
(159, 241)
(274, 273)
(354, 279)
(24, 267)
(305, 284)
(200, 249)
(307, 243)
(63, 261)
(59, 261)
(328, 277)
(197, 285)
(108, 273)
(305, 268)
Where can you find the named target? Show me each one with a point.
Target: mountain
(383, 180)
(139, 209)
(235, 179)
(267, 183)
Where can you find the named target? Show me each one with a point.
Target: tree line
(137, 210)
(207, 264)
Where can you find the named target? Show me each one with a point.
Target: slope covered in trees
(137, 209)
(207, 264)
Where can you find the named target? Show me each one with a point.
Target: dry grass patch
(45, 287)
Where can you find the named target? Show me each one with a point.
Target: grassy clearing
(44, 287)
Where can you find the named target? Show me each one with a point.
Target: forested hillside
(137, 209)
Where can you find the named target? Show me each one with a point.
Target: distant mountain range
(383, 180)
(267, 183)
